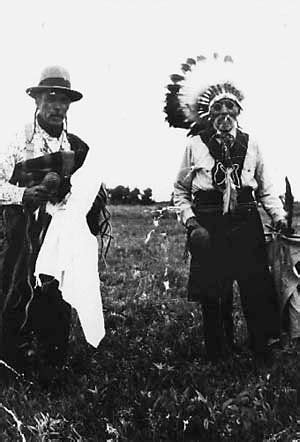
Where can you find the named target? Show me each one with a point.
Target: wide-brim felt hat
(56, 79)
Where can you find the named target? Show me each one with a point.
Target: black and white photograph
(150, 221)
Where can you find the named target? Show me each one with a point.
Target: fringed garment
(21, 236)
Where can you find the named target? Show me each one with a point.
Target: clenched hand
(191, 224)
(34, 196)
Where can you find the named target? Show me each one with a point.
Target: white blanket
(69, 252)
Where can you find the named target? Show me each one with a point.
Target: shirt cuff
(19, 195)
(186, 214)
(12, 195)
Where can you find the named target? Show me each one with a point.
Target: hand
(191, 224)
(198, 237)
(34, 196)
(282, 227)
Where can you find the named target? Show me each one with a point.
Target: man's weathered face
(224, 114)
(53, 107)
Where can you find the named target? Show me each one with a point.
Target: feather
(174, 88)
(228, 58)
(176, 78)
(185, 67)
(190, 61)
(174, 114)
(289, 204)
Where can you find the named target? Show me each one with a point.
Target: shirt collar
(52, 144)
(233, 132)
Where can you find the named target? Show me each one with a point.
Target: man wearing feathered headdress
(221, 178)
(48, 198)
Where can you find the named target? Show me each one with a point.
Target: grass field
(148, 381)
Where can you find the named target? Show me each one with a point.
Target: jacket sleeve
(266, 191)
(10, 193)
(183, 186)
(98, 212)
(98, 209)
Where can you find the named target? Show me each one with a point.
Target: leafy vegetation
(123, 195)
(148, 380)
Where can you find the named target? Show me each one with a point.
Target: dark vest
(234, 158)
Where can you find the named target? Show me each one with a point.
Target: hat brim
(37, 90)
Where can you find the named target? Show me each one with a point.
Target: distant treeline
(123, 195)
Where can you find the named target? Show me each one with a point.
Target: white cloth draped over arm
(70, 252)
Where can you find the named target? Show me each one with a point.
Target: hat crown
(55, 78)
(55, 72)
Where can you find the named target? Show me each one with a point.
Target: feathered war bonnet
(190, 97)
(202, 82)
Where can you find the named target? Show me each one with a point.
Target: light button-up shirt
(196, 174)
(20, 149)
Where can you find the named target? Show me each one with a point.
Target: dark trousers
(260, 312)
(49, 319)
(234, 250)
(45, 333)
(218, 327)
(33, 321)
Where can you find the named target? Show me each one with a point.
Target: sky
(120, 54)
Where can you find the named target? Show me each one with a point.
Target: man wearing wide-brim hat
(35, 179)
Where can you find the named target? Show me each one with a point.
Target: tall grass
(148, 380)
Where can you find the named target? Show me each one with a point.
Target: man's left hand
(282, 227)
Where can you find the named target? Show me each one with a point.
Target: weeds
(148, 380)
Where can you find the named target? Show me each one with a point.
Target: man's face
(53, 107)
(224, 114)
